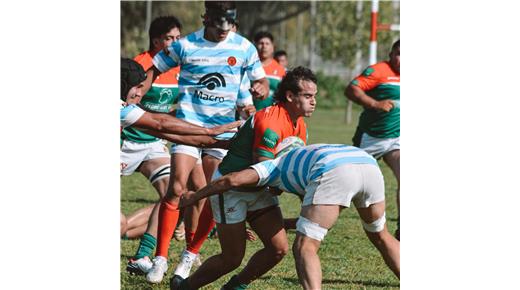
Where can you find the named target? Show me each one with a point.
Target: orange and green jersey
(380, 82)
(274, 73)
(260, 134)
(160, 98)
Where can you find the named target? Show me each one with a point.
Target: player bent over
(328, 177)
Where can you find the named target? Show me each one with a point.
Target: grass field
(348, 259)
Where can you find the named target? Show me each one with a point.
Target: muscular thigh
(324, 215)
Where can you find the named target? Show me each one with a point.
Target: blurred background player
(209, 83)
(281, 57)
(274, 72)
(335, 176)
(256, 141)
(377, 89)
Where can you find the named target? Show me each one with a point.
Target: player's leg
(377, 232)
(191, 220)
(371, 208)
(268, 225)
(138, 222)
(232, 239)
(192, 213)
(155, 167)
(182, 162)
(202, 218)
(392, 159)
(123, 224)
(311, 228)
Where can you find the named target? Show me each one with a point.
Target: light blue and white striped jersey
(293, 171)
(211, 76)
(129, 114)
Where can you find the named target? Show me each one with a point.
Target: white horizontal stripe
(165, 85)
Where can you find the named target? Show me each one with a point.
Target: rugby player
(256, 141)
(377, 89)
(213, 61)
(327, 177)
(264, 42)
(281, 57)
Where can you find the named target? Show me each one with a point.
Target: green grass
(348, 259)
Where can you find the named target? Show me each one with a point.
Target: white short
(133, 154)
(232, 206)
(196, 152)
(362, 184)
(378, 147)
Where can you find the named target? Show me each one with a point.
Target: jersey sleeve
(244, 95)
(130, 114)
(267, 136)
(252, 65)
(267, 171)
(169, 57)
(367, 80)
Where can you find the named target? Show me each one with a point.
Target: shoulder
(144, 59)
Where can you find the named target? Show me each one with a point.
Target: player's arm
(191, 140)
(358, 96)
(246, 177)
(168, 124)
(260, 89)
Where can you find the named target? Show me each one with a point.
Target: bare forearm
(358, 96)
(170, 124)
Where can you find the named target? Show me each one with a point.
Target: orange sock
(206, 224)
(189, 237)
(168, 217)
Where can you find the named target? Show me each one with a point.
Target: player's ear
(289, 96)
(156, 42)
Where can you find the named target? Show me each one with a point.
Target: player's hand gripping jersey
(274, 73)
(380, 82)
(211, 76)
(260, 134)
(160, 97)
(294, 171)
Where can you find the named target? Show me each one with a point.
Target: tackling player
(327, 177)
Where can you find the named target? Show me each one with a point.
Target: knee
(302, 247)
(280, 250)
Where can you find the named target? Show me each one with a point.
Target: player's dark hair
(396, 44)
(279, 53)
(263, 34)
(220, 5)
(291, 82)
(132, 74)
(162, 25)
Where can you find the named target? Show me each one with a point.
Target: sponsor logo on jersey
(230, 209)
(211, 81)
(270, 138)
(165, 95)
(232, 60)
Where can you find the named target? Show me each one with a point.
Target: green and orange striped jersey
(260, 134)
(380, 82)
(274, 73)
(160, 97)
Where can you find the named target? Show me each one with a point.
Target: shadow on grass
(340, 281)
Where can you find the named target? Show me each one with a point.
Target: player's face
(395, 59)
(165, 40)
(282, 60)
(265, 48)
(304, 103)
(135, 94)
(216, 34)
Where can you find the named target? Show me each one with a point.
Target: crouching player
(328, 177)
